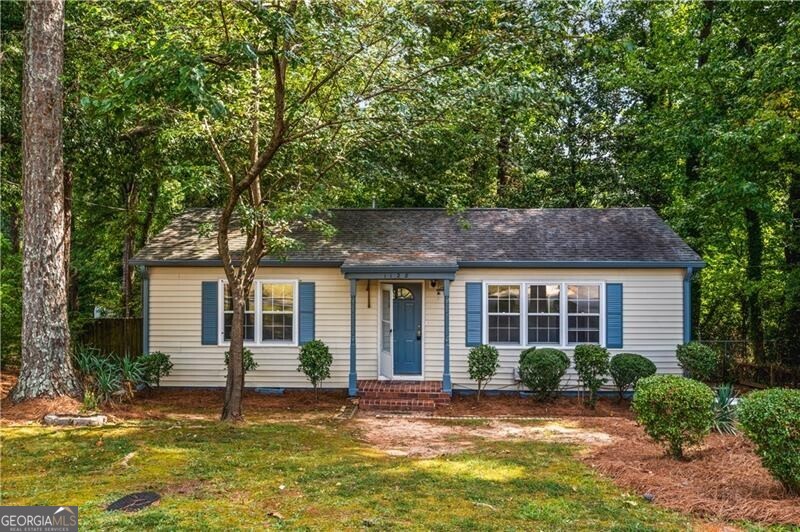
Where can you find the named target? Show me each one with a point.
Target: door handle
(419, 332)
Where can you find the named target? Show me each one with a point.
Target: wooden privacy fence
(118, 336)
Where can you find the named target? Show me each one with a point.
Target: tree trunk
(503, 154)
(129, 197)
(46, 364)
(234, 386)
(755, 253)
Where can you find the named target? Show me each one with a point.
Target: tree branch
(218, 154)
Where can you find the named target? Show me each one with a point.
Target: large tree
(46, 365)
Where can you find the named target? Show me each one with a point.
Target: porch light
(438, 286)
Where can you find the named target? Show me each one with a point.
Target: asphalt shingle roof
(433, 237)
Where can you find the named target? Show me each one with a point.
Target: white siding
(652, 315)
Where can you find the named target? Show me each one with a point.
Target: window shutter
(307, 295)
(474, 313)
(614, 315)
(209, 302)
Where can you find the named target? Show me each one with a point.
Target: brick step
(397, 405)
(434, 396)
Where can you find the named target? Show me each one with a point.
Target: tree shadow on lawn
(215, 475)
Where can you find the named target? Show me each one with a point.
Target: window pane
(544, 299)
(504, 329)
(249, 326)
(277, 297)
(543, 329)
(277, 327)
(249, 303)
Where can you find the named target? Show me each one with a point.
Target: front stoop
(401, 396)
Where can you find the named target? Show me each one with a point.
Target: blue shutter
(614, 315)
(306, 333)
(474, 313)
(209, 302)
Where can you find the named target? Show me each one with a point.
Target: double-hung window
(249, 315)
(544, 317)
(270, 315)
(583, 314)
(543, 313)
(503, 305)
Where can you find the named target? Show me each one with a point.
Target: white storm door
(386, 331)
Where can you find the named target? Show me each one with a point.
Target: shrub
(725, 410)
(89, 401)
(699, 361)
(483, 362)
(771, 418)
(627, 368)
(541, 370)
(674, 411)
(248, 363)
(107, 381)
(315, 362)
(591, 363)
(155, 365)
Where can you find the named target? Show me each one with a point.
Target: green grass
(214, 476)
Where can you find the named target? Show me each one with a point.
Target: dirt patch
(514, 405)
(722, 479)
(426, 438)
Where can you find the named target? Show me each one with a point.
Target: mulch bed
(722, 479)
(514, 405)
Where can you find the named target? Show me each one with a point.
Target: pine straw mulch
(175, 404)
(722, 479)
(514, 405)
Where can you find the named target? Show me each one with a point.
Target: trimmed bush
(699, 361)
(627, 368)
(483, 362)
(315, 362)
(771, 418)
(675, 411)
(591, 363)
(248, 361)
(541, 370)
(155, 365)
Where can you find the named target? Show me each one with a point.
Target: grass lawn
(314, 475)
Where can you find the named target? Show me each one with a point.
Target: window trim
(257, 335)
(526, 305)
(563, 312)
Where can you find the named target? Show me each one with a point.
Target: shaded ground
(214, 476)
(723, 479)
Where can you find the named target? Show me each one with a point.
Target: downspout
(143, 271)
(687, 305)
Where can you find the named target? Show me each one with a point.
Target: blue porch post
(353, 379)
(447, 385)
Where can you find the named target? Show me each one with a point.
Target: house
(403, 294)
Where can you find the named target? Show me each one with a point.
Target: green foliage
(155, 365)
(90, 402)
(627, 368)
(131, 372)
(483, 361)
(699, 361)
(725, 410)
(675, 411)
(315, 362)
(541, 370)
(591, 364)
(771, 419)
(248, 362)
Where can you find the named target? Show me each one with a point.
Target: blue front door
(407, 329)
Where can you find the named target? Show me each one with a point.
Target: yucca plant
(725, 410)
(131, 372)
(107, 381)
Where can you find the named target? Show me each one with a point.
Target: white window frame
(257, 334)
(563, 312)
(560, 313)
